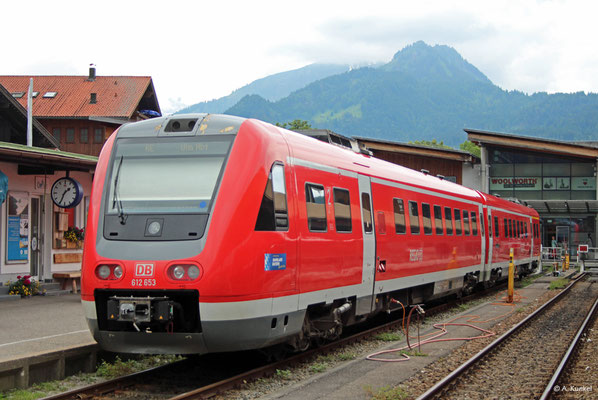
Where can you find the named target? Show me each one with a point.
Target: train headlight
(178, 272)
(193, 272)
(184, 272)
(118, 272)
(103, 271)
(112, 272)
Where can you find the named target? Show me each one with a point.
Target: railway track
(522, 362)
(207, 375)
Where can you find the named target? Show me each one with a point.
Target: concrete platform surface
(41, 324)
(352, 379)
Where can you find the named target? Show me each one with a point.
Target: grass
(284, 374)
(106, 370)
(559, 283)
(388, 336)
(386, 393)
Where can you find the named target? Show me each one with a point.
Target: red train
(211, 233)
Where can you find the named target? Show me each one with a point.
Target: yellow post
(511, 276)
(567, 261)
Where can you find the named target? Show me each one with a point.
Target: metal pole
(511, 283)
(30, 114)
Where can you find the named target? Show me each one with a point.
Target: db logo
(144, 270)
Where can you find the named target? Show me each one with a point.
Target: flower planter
(72, 245)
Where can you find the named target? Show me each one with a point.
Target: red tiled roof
(117, 96)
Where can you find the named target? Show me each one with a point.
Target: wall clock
(66, 192)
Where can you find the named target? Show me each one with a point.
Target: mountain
(273, 87)
(425, 93)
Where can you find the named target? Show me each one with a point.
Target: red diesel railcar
(212, 233)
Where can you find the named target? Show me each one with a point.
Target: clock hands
(64, 194)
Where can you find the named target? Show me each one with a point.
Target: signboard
(275, 262)
(583, 183)
(517, 183)
(17, 231)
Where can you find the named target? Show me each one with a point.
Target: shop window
(399, 212)
(316, 207)
(448, 218)
(583, 169)
(427, 219)
(342, 210)
(458, 226)
(438, 220)
(414, 217)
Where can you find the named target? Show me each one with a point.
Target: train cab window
(273, 215)
(342, 210)
(366, 213)
(438, 220)
(399, 211)
(458, 227)
(414, 217)
(448, 217)
(496, 227)
(466, 222)
(427, 218)
(474, 223)
(316, 207)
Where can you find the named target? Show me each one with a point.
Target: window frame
(309, 218)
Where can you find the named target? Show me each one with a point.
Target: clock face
(66, 192)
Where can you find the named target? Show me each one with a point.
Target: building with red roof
(81, 112)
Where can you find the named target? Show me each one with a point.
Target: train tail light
(184, 272)
(112, 272)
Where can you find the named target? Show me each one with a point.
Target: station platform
(38, 335)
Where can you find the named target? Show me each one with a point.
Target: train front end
(154, 191)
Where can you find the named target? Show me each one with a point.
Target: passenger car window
(458, 227)
(448, 216)
(316, 207)
(342, 210)
(366, 212)
(438, 220)
(399, 212)
(414, 217)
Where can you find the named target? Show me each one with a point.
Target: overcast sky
(200, 50)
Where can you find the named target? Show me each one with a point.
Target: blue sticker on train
(275, 262)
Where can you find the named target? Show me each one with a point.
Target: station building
(557, 178)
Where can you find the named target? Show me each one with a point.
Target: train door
(36, 239)
(365, 302)
(487, 236)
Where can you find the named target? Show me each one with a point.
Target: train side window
(316, 207)
(474, 224)
(510, 228)
(496, 227)
(273, 215)
(399, 211)
(366, 212)
(506, 227)
(427, 217)
(526, 228)
(342, 210)
(489, 226)
(458, 227)
(466, 222)
(438, 220)
(414, 217)
(448, 216)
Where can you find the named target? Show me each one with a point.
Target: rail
(452, 377)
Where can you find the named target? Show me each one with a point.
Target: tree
(432, 143)
(471, 148)
(295, 125)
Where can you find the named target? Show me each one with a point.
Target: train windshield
(166, 175)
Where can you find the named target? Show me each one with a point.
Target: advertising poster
(17, 235)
